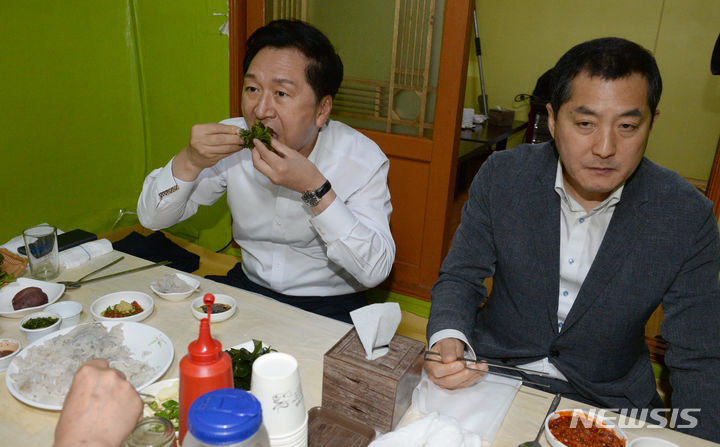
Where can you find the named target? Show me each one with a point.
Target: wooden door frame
(439, 154)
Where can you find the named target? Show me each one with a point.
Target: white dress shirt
(346, 248)
(581, 234)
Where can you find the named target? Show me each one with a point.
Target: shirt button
(582, 219)
(571, 260)
(565, 293)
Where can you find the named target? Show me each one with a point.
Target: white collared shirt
(581, 234)
(346, 248)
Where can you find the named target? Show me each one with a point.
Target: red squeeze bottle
(205, 368)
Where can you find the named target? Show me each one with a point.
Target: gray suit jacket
(661, 246)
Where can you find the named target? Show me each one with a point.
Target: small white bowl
(651, 442)
(105, 301)
(8, 344)
(219, 299)
(581, 415)
(69, 311)
(33, 334)
(193, 285)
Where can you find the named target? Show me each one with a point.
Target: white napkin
(467, 118)
(376, 325)
(430, 431)
(479, 408)
(76, 256)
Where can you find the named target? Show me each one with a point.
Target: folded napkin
(479, 408)
(430, 431)
(77, 256)
(157, 247)
(376, 325)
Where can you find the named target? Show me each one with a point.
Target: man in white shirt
(312, 216)
(584, 238)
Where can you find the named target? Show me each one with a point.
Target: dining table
(304, 335)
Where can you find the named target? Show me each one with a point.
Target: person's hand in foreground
(451, 373)
(209, 143)
(101, 408)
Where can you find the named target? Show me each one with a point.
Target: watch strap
(312, 198)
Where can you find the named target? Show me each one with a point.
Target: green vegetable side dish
(5, 277)
(39, 323)
(242, 361)
(169, 410)
(259, 131)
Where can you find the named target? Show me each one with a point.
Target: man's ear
(654, 118)
(551, 119)
(322, 110)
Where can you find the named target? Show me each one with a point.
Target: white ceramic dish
(35, 334)
(144, 342)
(219, 299)
(9, 344)
(69, 311)
(651, 442)
(582, 416)
(111, 299)
(193, 285)
(53, 291)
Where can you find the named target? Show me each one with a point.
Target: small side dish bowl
(575, 422)
(100, 305)
(34, 334)
(197, 303)
(69, 311)
(651, 442)
(192, 285)
(9, 348)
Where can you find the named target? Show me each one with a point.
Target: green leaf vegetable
(5, 276)
(169, 410)
(242, 361)
(259, 131)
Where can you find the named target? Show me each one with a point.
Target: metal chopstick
(136, 269)
(496, 374)
(102, 268)
(496, 365)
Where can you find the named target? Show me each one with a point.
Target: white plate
(111, 299)
(192, 283)
(219, 299)
(53, 291)
(145, 343)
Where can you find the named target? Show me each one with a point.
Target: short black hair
(324, 71)
(610, 58)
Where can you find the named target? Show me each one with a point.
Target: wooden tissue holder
(374, 392)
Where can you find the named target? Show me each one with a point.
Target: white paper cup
(298, 438)
(42, 251)
(275, 382)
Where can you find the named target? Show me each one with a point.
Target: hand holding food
(259, 131)
(98, 394)
(209, 143)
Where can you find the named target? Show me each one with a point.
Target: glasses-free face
(601, 133)
(276, 93)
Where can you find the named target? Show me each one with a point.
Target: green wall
(96, 93)
(520, 39)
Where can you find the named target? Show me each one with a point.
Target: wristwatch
(312, 198)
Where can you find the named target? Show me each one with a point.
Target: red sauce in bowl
(581, 436)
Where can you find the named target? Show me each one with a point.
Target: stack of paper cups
(275, 382)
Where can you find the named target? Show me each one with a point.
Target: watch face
(310, 198)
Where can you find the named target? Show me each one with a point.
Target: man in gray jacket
(584, 238)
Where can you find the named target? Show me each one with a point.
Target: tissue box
(374, 392)
(501, 118)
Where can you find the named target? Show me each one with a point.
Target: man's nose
(605, 147)
(264, 107)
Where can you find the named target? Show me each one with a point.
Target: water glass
(42, 251)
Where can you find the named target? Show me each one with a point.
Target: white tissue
(433, 430)
(76, 256)
(479, 408)
(467, 118)
(376, 325)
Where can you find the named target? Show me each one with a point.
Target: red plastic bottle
(206, 367)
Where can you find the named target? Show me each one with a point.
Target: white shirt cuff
(169, 188)
(335, 222)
